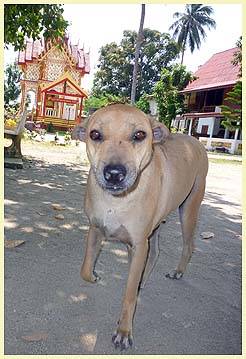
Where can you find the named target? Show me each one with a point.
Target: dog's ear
(79, 133)
(159, 130)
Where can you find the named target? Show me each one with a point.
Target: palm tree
(189, 26)
(139, 41)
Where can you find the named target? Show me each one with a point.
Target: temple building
(52, 75)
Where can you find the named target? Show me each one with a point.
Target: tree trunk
(182, 56)
(137, 51)
(184, 46)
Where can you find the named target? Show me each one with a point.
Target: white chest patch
(111, 222)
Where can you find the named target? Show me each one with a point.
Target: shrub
(50, 128)
(143, 103)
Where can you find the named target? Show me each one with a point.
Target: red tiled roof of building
(35, 49)
(218, 71)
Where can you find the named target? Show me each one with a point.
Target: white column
(236, 134)
(42, 107)
(226, 133)
(190, 126)
(234, 142)
(212, 128)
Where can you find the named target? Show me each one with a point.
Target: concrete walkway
(225, 156)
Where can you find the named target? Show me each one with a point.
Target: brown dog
(139, 174)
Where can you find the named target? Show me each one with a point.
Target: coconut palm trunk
(183, 46)
(137, 52)
(182, 55)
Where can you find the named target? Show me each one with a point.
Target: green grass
(223, 153)
(46, 144)
(223, 161)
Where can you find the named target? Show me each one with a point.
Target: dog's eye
(95, 135)
(139, 136)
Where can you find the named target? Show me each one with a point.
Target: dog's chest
(110, 222)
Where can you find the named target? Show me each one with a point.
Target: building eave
(65, 77)
(209, 87)
(202, 114)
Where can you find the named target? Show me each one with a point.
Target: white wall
(208, 121)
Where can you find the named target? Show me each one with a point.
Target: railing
(50, 112)
(209, 109)
(195, 108)
(230, 145)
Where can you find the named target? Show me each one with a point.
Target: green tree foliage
(11, 85)
(232, 111)
(94, 102)
(189, 26)
(143, 103)
(166, 91)
(237, 58)
(32, 21)
(116, 63)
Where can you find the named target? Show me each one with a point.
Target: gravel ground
(50, 310)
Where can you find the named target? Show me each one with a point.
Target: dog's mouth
(119, 189)
(116, 189)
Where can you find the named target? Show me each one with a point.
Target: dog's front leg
(152, 255)
(93, 246)
(123, 335)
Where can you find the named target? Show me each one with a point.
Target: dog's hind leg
(188, 212)
(93, 246)
(152, 255)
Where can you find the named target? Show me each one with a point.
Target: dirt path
(50, 310)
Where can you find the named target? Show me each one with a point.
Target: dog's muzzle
(114, 176)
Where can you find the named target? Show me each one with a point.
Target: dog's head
(119, 141)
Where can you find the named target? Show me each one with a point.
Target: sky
(94, 25)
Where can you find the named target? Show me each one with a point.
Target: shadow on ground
(50, 310)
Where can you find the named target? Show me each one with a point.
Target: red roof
(36, 49)
(218, 71)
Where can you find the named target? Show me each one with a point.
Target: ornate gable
(55, 62)
(71, 85)
(32, 72)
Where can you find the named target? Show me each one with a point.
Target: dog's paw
(96, 276)
(92, 277)
(174, 275)
(122, 341)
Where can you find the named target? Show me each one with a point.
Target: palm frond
(175, 24)
(182, 37)
(205, 21)
(195, 7)
(194, 39)
(208, 10)
(176, 32)
(178, 14)
(201, 30)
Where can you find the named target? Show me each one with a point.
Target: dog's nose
(114, 174)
